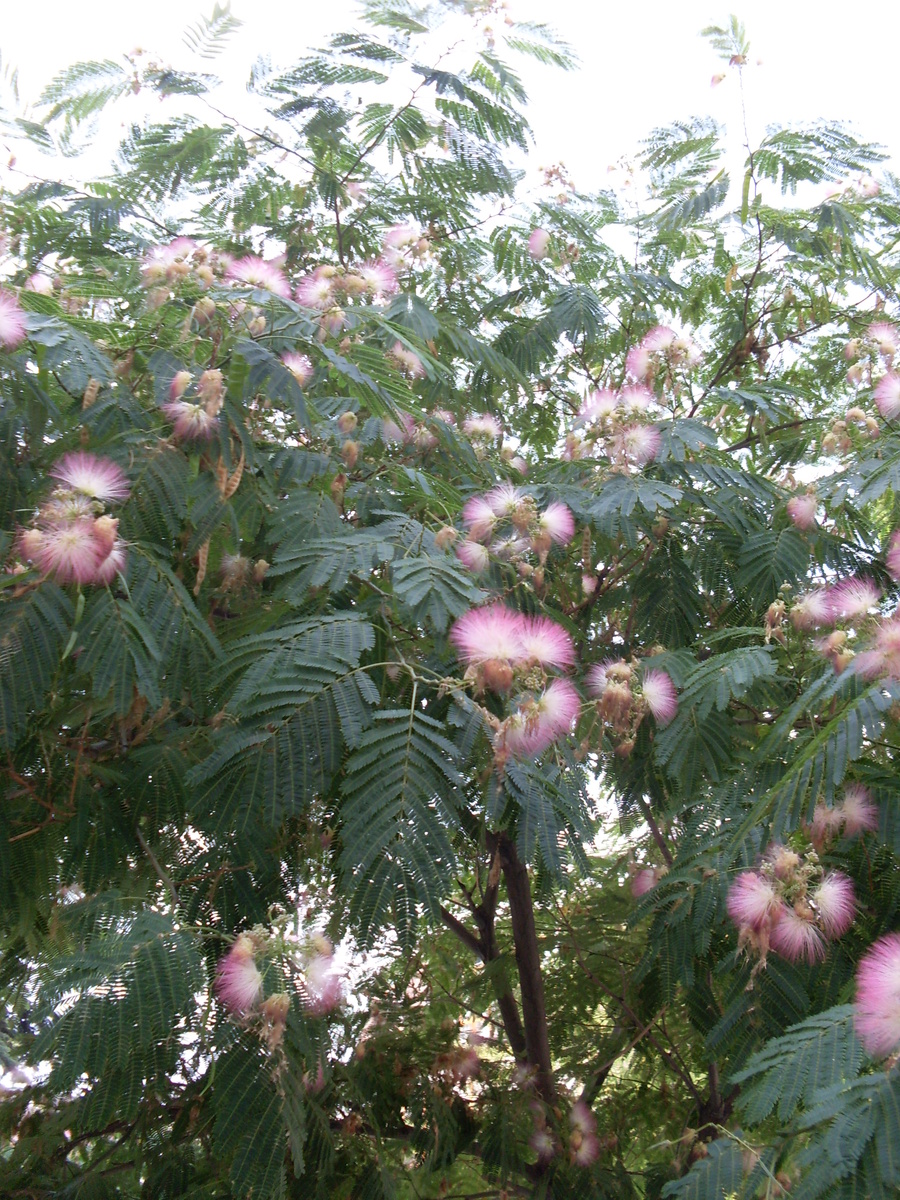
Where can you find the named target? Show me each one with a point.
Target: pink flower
(181, 381)
(635, 400)
(480, 517)
(541, 720)
(324, 988)
(892, 559)
(12, 322)
(859, 813)
(407, 361)
(796, 936)
(259, 273)
(112, 565)
(543, 1144)
(557, 522)
(854, 597)
(98, 478)
(538, 243)
(317, 290)
(473, 556)
(399, 237)
(753, 901)
(660, 337)
(379, 278)
(69, 552)
(802, 510)
(813, 610)
(598, 406)
(659, 693)
(835, 904)
(887, 395)
(640, 443)
(238, 981)
(885, 336)
(544, 642)
(485, 634)
(40, 284)
(299, 366)
(583, 1143)
(483, 427)
(878, 997)
(191, 421)
(638, 362)
(168, 262)
(644, 881)
(505, 499)
(825, 826)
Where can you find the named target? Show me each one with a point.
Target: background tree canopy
(370, 535)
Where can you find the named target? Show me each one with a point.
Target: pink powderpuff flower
(488, 634)
(112, 565)
(854, 598)
(584, 1145)
(407, 361)
(659, 693)
(599, 405)
(885, 336)
(859, 813)
(824, 826)
(640, 443)
(887, 395)
(181, 381)
(796, 936)
(404, 433)
(802, 510)
(98, 478)
(543, 1144)
(40, 284)
(834, 903)
(635, 400)
(538, 243)
(644, 881)
(753, 901)
(475, 557)
(259, 273)
(883, 657)
(813, 610)
(380, 278)
(505, 500)
(324, 987)
(541, 720)
(317, 290)
(480, 517)
(238, 981)
(557, 522)
(399, 237)
(659, 338)
(191, 421)
(299, 366)
(12, 322)
(544, 643)
(483, 427)
(638, 361)
(878, 997)
(892, 558)
(168, 262)
(28, 544)
(70, 553)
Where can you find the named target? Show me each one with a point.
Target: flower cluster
(871, 358)
(616, 425)
(626, 692)
(504, 649)
(74, 540)
(404, 246)
(660, 353)
(508, 523)
(182, 260)
(791, 906)
(193, 406)
(329, 287)
(852, 602)
(855, 814)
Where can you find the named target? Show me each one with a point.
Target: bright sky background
(643, 61)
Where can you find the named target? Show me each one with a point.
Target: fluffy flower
(69, 552)
(12, 322)
(473, 556)
(505, 499)
(599, 405)
(259, 273)
(238, 981)
(885, 336)
(854, 597)
(796, 936)
(407, 361)
(98, 478)
(878, 997)
(802, 510)
(169, 262)
(557, 522)
(399, 237)
(488, 634)
(40, 284)
(379, 278)
(753, 901)
(635, 400)
(324, 988)
(584, 1145)
(892, 559)
(640, 443)
(540, 721)
(887, 395)
(644, 881)
(813, 610)
(538, 243)
(659, 693)
(544, 642)
(480, 518)
(834, 903)
(191, 421)
(317, 290)
(483, 427)
(883, 655)
(299, 366)
(112, 565)
(859, 813)
(181, 381)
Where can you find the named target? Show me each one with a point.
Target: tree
(368, 530)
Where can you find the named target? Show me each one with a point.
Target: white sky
(643, 61)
